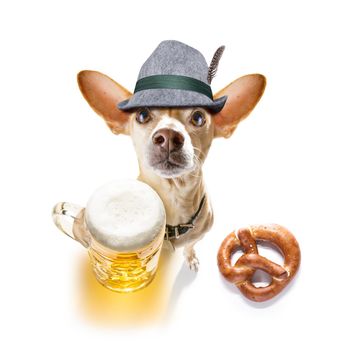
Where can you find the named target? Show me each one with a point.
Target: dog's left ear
(242, 96)
(103, 95)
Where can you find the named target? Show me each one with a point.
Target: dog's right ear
(103, 95)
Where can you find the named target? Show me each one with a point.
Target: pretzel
(242, 272)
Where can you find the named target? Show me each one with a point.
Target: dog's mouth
(170, 165)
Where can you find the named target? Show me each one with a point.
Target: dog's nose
(168, 139)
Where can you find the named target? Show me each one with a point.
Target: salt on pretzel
(242, 272)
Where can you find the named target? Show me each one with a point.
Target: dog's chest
(179, 198)
(178, 204)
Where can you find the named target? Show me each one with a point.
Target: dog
(172, 143)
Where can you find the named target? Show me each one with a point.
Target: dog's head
(171, 141)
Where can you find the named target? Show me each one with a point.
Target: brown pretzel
(242, 272)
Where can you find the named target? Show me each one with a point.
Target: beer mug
(123, 228)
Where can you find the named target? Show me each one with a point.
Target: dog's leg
(190, 256)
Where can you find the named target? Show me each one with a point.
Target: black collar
(172, 232)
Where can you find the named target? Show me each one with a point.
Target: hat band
(173, 82)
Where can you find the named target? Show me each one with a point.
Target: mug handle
(69, 218)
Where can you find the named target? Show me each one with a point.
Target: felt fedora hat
(175, 75)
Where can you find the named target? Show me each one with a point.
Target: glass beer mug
(122, 227)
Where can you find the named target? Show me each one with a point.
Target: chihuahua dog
(171, 145)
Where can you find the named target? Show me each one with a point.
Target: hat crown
(172, 57)
(175, 75)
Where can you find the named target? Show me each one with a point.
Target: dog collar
(172, 232)
(180, 82)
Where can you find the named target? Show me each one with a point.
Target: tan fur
(181, 195)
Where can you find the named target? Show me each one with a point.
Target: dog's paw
(192, 263)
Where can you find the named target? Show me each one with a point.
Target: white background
(287, 163)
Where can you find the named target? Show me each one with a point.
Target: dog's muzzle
(169, 154)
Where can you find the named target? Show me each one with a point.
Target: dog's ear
(103, 95)
(242, 96)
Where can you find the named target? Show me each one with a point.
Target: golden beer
(122, 227)
(125, 272)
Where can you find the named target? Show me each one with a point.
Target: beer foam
(125, 215)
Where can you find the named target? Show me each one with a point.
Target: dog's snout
(168, 139)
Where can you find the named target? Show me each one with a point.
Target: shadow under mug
(119, 271)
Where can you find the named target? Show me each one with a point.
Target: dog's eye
(198, 118)
(143, 116)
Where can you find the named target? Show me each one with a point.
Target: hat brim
(163, 98)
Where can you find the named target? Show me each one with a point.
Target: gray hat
(175, 75)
